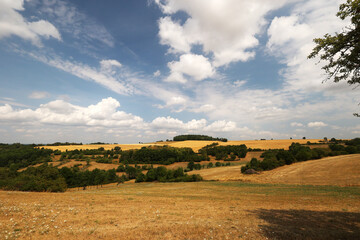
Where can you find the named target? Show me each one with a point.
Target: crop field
(202, 210)
(195, 145)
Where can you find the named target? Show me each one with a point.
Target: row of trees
(163, 174)
(46, 178)
(198, 137)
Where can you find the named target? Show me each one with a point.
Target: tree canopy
(342, 50)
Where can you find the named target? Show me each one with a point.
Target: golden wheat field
(195, 145)
(340, 171)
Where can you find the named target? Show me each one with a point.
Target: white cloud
(39, 95)
(103, 114)
(70, 20)
(157, 73)
(296, 124)
(106, 76)
(316, 124)
(221, 126)
(197, 67)
(172, 34)
(107, 65)
(13, 23)
(291, 40)
(227, 28)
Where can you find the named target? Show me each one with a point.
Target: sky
(140, 71)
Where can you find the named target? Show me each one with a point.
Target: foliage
(221, 152)
(41, 179)
(160, 155)
(162, 174)
(21, 156)
(342, 51)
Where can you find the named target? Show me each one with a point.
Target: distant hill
(198, 137)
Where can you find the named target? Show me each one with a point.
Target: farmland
(195, 145)
(317, 199)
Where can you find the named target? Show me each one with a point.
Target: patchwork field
(203, 210)
(340, 170)
(195, 145)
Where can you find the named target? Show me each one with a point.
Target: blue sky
(139, 71)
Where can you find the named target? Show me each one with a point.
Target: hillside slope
(340, 170)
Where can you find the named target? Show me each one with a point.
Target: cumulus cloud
(108, 65)
(308, 20)
(13, 23)
(194, 125)
(103, 114)
(296, 124)
(39, 95)
(157, 73)
(221, 126)
(225, 28)
(197, 67)
(316, 124)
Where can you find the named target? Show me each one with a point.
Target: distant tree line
(198, 137)
(63, 144)
(298, 153)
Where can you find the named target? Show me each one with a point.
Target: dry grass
(340, 170)
(195, 145)
(204, 210)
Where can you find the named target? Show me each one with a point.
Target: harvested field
(340, 170)
(102, 166)
(203, 210)
(195, 145)
(96, 146)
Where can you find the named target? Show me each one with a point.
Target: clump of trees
(163, 174)
(19, 156)
(228, 153)
(298, 153)
(40, 179)
(198, 137)
(160, 155)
